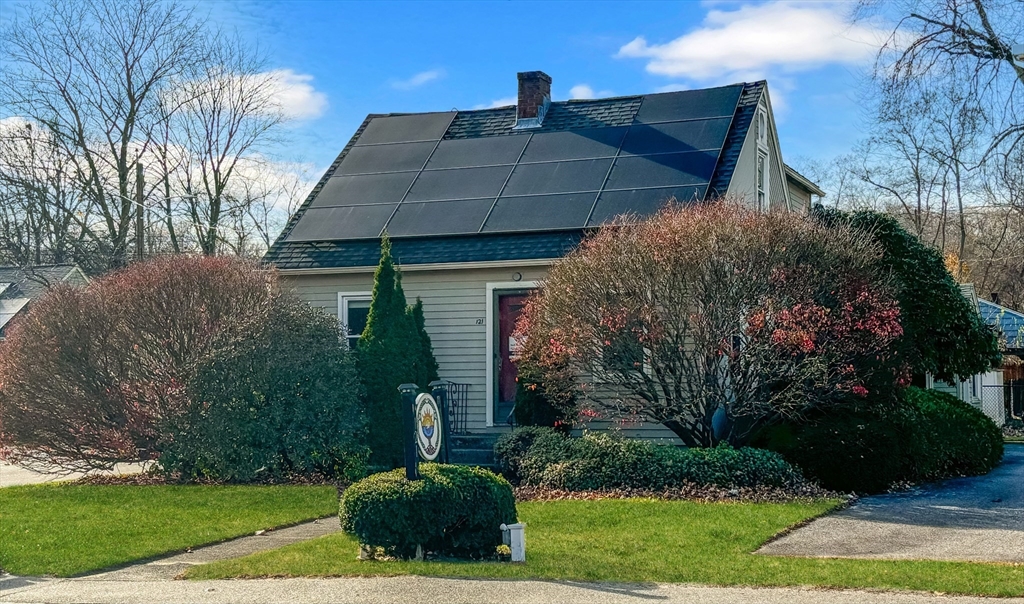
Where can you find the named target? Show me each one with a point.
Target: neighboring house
(982, 390)
(480, 203)
(1009, 325)
(19, 286)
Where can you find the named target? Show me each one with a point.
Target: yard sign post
(439, 389)
(409, 430)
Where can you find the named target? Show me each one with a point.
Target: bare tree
(967, 43)
(111, 86)
(228, 112)
(91, 72)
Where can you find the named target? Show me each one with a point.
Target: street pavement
(975, 519)
(428, 590)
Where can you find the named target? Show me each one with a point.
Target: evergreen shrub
(595, 461)
(280, 404)
(452, 511)
(923, 435)
(394, 349)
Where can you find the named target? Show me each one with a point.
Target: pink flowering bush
(715, 320)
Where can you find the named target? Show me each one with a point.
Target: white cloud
(584, 91)
(418, 80)
(502, 102)
(581, 91)
(295, 95)
(754, 40)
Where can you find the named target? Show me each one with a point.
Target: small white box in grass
(515, 536)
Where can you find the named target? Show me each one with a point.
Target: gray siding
(455, 307)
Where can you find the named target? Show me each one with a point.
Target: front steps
(473, 450)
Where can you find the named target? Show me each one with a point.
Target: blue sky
(343, 60)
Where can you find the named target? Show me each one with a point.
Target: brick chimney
(534, 98)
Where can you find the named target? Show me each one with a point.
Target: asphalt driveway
(976, 519)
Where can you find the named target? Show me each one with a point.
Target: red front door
(510, 306)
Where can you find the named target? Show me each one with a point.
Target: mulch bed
(687, 492)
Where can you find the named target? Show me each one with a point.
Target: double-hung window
(353, 311)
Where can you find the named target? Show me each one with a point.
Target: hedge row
(543, 457)
(924, 435)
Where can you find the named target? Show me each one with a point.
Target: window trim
(761, 175)
(343, 299)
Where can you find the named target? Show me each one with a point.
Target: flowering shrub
(715, 320)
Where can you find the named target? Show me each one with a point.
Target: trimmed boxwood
(451, 510)
(595, 461)
(923, 435)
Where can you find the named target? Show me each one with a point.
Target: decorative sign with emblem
(428, 427)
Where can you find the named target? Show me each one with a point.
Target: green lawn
(66, 529)
(645, 541)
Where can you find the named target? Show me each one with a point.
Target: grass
(66, 529)
(645, 541)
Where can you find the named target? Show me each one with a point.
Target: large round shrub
(956, 438)
(202, 363)
(451, 510)
(862, 451)
(282, 403)
(922, 435)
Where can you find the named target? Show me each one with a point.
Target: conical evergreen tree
(426, 364)
(387, 357)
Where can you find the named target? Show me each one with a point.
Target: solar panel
(672, 137)
(385, 158)
(582, 168)
(540, 212)
(364, 189)
(405, 128)
(467, 152)
(662, 170)
(689, 104)
(461, 183)
(439, 217)
(558, 177)
(352, 222)
(573, 144)
(640, 202)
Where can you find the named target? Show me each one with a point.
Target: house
(19, 286)
(982, 390)
(479, 203)
(1009, 325)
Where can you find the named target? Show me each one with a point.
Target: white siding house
(478, 204)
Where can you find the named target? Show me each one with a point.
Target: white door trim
(489, 325)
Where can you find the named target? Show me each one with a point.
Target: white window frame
(762, 179)
(489, 324)
(343, 299)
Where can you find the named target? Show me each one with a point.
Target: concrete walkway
(977, 519)
(428, 590)
(170, 567)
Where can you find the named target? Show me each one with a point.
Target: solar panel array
(402, 176)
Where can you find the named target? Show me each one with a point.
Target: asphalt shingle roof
(32, 282)
(1008, 322)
